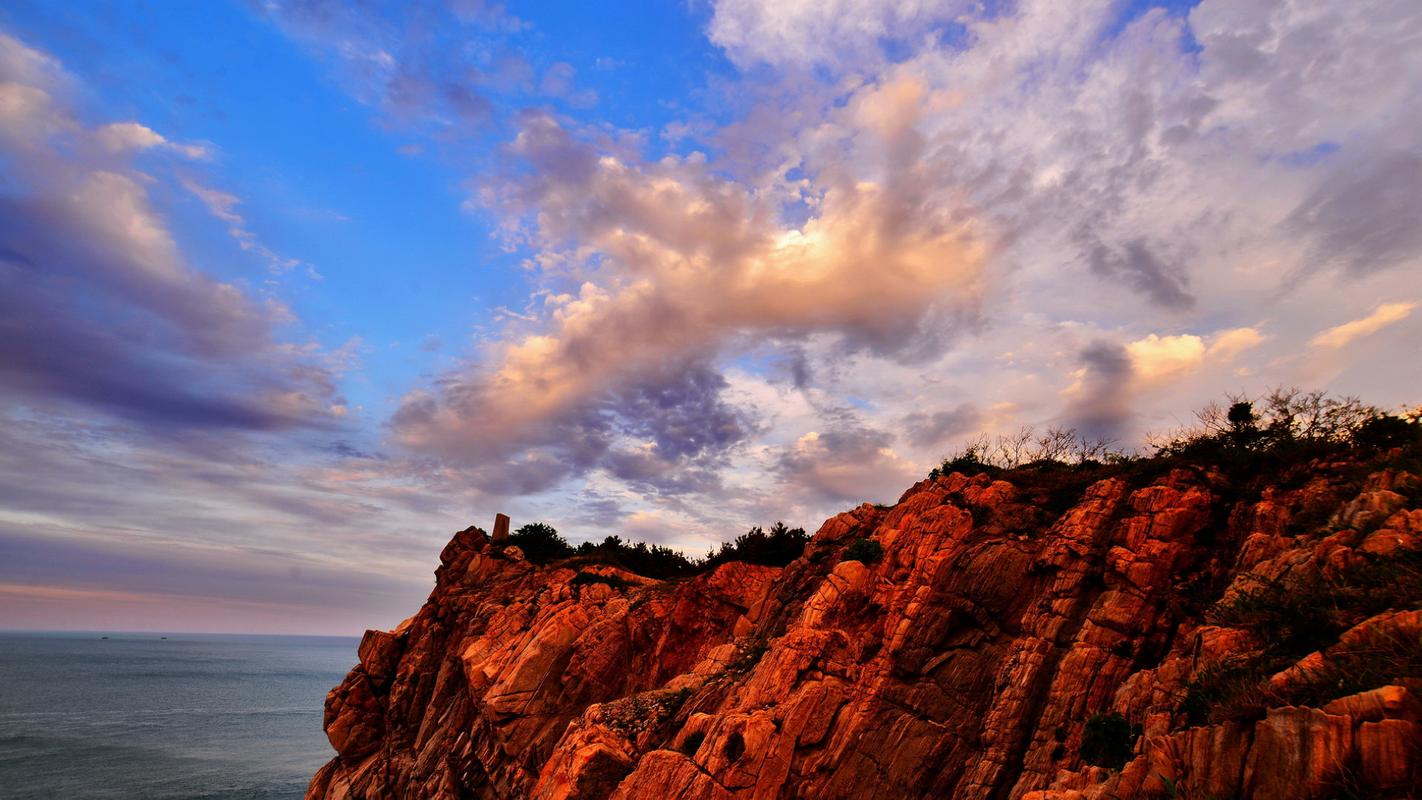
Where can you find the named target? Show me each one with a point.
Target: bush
(1285, 425)
(1051, 448)
(1107, 741)
(540, 543)
(692, 743)
(774, 548)
(589, 578)
(969, 462)
(1294, 617)
(1303, 614)
(1384, 432)
(651, 561)
(867, 551)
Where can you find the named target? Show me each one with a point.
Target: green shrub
(1306, 613)
(651, 561)
(692, 743)
(540, 543)
(776, 547)
(1294, 617)
(589, 578)
(866, 550)
(968, 462)
(1107, 741)
(1385, 431)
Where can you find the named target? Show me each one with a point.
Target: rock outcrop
(1111, 638)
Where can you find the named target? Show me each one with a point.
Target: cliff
(1080, 633)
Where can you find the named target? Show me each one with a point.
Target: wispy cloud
(1341, 336)
(223, 206)
(872, 229)
(100, 307)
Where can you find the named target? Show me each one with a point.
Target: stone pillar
(501, 528)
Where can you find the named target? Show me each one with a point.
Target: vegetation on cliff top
(542, 544)
(1247, 435)
(1265, 440)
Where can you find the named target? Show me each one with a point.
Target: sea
(187, 716)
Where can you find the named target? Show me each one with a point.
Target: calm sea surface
(192, 716)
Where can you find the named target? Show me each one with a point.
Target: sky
(290, 290)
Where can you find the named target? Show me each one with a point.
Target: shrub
(1029, 447)
(1384, 431)
(1294, 617)
(866, 550)
(773, 548)
(1285, 425)
(969, 461)
(588, 578)
(692, 743)
(652, 561)
(1107, 741)
(1303, 614)
(540, 543)
(735, 747)
(1234, 689)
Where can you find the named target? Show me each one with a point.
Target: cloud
(898, 223)
(122, 138)
(808, 33)
(686, 263)
(848, 464)
(1156, 359)
(223, 206)
(1226, 345)
(1364, 219)
(428, 64)
(1136, 265)
(1160, 357)
(99, 307)
(1341, 336)
(934, 428)
(906, 177)
(1099, 401)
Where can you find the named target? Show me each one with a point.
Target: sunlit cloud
(1341, 336)
(858, 234)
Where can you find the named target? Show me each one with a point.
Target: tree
(540, 543)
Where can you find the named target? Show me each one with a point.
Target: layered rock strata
(1003, 630)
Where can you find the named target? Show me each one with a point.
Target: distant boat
(103, 637)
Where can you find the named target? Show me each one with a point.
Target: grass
(1108, 740)
(867, 551)
(1301, 615)
(642, 712)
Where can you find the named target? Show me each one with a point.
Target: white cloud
(122, 138)
(811, 32)
(1341, 336)
(223, 206)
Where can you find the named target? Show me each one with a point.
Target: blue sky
(292, 290)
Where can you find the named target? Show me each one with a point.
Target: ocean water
(137, 716)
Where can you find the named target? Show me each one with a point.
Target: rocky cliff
(1085, 633)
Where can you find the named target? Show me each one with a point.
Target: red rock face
(968, 662)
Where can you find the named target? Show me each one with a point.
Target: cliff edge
(1081, 633)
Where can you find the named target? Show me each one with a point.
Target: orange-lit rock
(965, 663)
